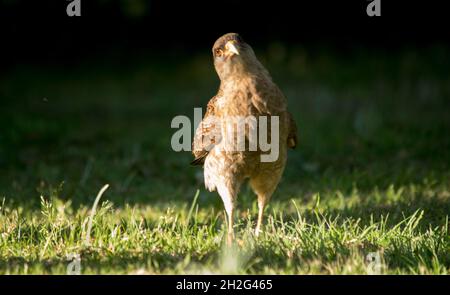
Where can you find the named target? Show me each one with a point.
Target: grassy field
(369, 180)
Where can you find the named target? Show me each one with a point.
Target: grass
(370, 178)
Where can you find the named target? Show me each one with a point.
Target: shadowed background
(88, 100)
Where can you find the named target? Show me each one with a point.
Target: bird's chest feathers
(237, 99)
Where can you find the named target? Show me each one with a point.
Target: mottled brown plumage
(246, 89)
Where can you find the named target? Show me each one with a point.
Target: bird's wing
(268, 99)
(292, 134)
(208, 133)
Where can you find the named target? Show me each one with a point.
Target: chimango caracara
(246, 92)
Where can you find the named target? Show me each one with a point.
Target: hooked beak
(231, 47)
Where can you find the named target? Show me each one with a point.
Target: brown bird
(246, 91)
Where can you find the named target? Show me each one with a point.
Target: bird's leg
(261, 206)
(227, 196)
(230, 233)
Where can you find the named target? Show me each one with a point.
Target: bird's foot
(230, 239)
(257, 231)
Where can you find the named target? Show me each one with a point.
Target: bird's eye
(218, 52)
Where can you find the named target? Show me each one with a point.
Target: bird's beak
(231, 47)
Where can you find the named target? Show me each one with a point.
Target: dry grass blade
(91, 216)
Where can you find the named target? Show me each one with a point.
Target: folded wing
(207, 135)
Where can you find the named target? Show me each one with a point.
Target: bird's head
(232, 56)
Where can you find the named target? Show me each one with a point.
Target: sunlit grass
(296, 239)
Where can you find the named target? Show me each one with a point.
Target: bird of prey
(246, 90)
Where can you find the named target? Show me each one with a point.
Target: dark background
(40, 31)
(89, 100)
